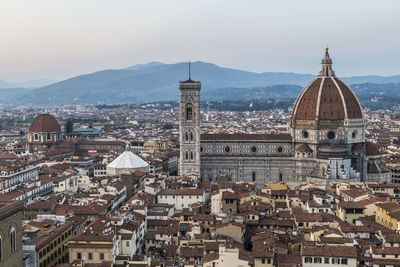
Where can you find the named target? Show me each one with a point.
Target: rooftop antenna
(189, 71)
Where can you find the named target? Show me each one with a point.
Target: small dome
(326, 98)
(44, 123)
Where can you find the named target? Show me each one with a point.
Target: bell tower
(189, 126)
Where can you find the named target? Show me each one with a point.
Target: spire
(326, 68)
(189, 71)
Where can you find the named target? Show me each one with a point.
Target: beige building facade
(11, 213)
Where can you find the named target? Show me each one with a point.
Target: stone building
(326, 139)
(45, 137)
(43, 133)
(11, 233)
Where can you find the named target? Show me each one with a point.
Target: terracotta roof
(326, 98)
(44, 123)
(191, 252)
(389, 206)
(351, 205)
(303, 148)
(386, 250)
(354, 193)
(188, 191)
(368, 201)
(229, 195)
(372, 149)
(336, 240)
(331, 251)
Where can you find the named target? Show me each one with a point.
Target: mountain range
(27, 84)
(156, 81)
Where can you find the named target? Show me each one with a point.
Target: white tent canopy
(127, 161)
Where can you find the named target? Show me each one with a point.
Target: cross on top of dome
(326, 69)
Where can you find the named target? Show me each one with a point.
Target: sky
(64, 38)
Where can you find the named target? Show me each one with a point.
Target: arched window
(191, 136)
(280, 177)
(189, 112)
(191, 154)
(1, 248)
(36, 137)
(186, 136)
(253, 176)
(13, 239)
(187, 155)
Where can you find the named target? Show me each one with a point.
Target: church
(327, 139)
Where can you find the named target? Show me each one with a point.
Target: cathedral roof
(372, 149)
(326, 98)
(44, 123)
(303, 148)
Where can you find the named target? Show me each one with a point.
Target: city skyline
(64, 39)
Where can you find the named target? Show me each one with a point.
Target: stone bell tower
(189, 126)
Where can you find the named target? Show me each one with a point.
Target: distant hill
(144, 66)
(156, 81)
(253, 93)
(26, 84)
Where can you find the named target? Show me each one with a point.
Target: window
(36, 137)
(13, 239)
(326, 260)
(189, 112)
(331, 135)
(48, 136)
(344, 261)
(127, 244)
(101, 256)
(263, 261)
(187, 155)
(317, 260)
(90, 256)
(253, 176)
(308, 260)
(269, 261)
(191, 154)
(191, 136)
(186, 136)
(335, 261)
(79, 256)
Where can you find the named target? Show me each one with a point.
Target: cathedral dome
(326, 98)
(44, 123)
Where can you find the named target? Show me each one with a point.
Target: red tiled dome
(44, 123)
(326, 98)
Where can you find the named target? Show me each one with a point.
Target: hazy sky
(59, 39)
